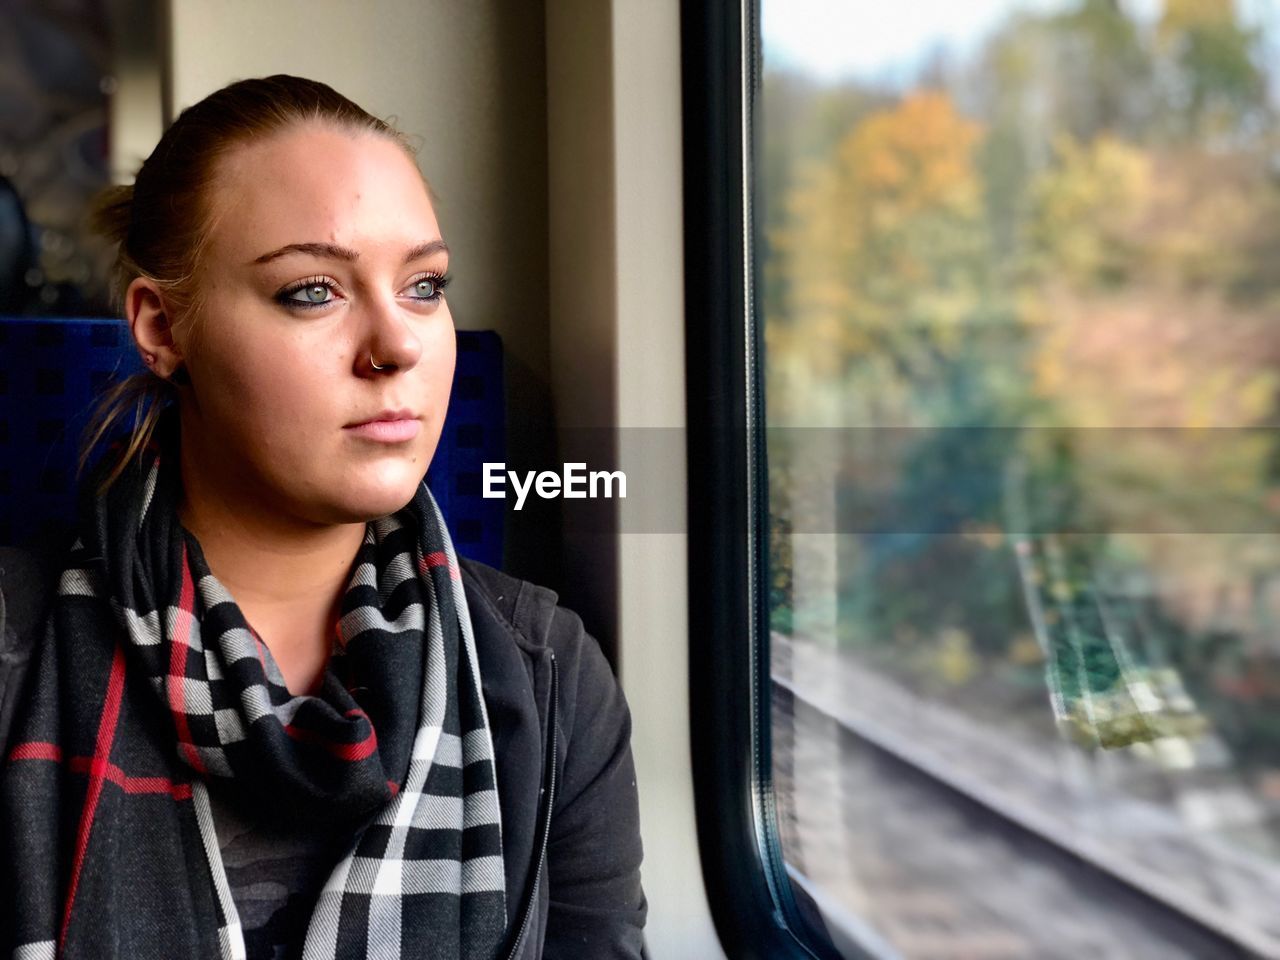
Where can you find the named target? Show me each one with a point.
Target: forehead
(315, 183)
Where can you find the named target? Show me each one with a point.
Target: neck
(286, 574)
(272, 562)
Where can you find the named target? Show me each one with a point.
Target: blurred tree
(804, 121)
(1081, 72)
(1216, 82)
(1076, 229)
(886, 251)
(1084, 213)
(1100, 71)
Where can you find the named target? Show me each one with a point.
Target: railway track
(937, 839)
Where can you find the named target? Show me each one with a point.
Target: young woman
(271, 713)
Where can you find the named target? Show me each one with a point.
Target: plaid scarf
(150, 682)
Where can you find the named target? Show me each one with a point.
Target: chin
(367, 492)
(372, 504)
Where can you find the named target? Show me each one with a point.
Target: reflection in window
(1021, 369)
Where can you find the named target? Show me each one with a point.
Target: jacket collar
(524, 609)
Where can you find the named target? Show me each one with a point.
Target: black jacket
(570, 819)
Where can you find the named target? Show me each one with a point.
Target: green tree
(1216, 83)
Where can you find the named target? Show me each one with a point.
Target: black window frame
(756, 910)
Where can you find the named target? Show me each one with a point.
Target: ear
(152, 326)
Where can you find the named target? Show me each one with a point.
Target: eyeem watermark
(573, 483)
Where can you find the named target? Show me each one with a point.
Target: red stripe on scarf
(178, 650)
(36, 750)
(343, 751)
(439, 559)
(97, 773)
(129, 784)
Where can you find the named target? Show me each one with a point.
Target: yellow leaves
(913, 157)
(1181, 15)
(1087, 206)
(1112, 215)
(884, 237)
(1025, 651)
(1047, 373)
(955, 660)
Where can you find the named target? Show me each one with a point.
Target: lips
(389, 426)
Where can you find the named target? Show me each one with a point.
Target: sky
(830, 39)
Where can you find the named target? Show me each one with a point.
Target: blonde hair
(161, 223)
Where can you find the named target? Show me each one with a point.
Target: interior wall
(467, 81)
(617, 359)
(583, 283)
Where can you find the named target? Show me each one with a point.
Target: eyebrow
(334, 251)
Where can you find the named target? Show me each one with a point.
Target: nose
(391, 343)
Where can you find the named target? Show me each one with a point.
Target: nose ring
(374, 363)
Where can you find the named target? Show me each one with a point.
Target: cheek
(271, 390)
(438, 359)
(435, 371)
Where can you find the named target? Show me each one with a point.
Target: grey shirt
(275, 876)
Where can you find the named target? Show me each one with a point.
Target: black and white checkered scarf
(150, 682)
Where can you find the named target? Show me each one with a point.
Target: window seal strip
(750, 894)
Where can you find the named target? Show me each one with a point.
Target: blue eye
(313, 293)
(428, 288)
(320, 292)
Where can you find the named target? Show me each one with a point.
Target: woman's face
(325, 257)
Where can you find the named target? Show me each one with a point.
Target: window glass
(1022, 371)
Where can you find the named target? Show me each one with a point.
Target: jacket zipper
(531, 903)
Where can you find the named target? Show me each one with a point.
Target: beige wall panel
(617, 353)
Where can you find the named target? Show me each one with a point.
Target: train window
(1009, 475)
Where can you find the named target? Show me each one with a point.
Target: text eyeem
(574, 482)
